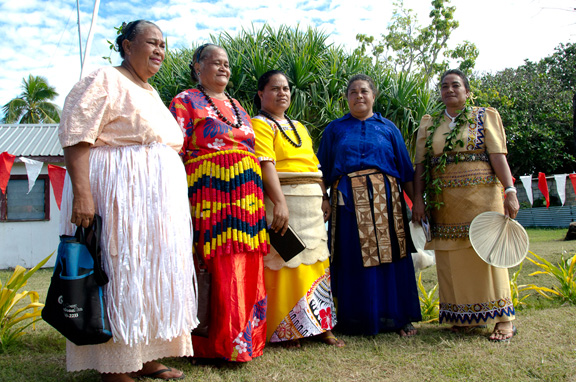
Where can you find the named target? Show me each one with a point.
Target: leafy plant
(12, 313)
(515, 289)
(429, 302)
(563, 272)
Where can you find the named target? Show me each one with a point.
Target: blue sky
(40, 37)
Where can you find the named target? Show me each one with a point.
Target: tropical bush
(12, 312)
(516, 290)
(429, 302)
(318, 73)
(563, 273)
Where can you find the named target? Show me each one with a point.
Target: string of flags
(57, 175)
(33, 169)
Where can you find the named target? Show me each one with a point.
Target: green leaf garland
(433, 188)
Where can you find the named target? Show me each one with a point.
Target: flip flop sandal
(504, 332)
(157, 373)
(406, 328)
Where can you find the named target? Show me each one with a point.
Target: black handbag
(204, 279)
(75, 302)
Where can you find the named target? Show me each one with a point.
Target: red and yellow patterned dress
(227, 201)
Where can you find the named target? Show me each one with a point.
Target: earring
(197, 73)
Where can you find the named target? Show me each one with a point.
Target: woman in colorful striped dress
(227, 206)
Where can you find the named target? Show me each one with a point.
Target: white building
(29, 222)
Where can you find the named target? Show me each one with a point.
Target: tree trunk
(574, 119)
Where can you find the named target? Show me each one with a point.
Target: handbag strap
(200, 261)
(90, 237)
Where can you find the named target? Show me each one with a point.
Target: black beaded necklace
(218, 112)
(270, 117)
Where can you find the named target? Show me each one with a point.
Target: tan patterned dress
(471, 291)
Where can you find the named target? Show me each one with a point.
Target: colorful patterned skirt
(237, 329)
(300, 301)
(471, 291)
(225, 191)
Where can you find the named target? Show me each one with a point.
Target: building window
(19, 205)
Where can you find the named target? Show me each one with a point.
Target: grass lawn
(543, 350)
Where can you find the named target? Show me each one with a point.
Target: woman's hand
(511, 205)
(281, 216)
(418, 210)
(327, 209)
(274, 191)
(83, 210)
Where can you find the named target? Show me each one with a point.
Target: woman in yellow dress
(299, 295)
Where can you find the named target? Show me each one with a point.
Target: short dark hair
(361, 77)
(263, 81)
(130, 31)
(460, 74)
(199, 55)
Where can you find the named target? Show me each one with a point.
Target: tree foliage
(317, 71)
(407, 47)
(33, 104)
(535, 102)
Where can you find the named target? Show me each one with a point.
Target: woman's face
(275, 97)
(453, 91)
(146, 52)
(361, 99)
(214, 70)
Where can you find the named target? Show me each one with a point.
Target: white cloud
(40, 37)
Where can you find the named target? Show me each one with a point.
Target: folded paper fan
(499, 240)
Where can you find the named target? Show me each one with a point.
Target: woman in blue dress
(365, 162)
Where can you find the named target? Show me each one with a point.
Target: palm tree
(33, 105)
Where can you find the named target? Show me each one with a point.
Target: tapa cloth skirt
(141, 194)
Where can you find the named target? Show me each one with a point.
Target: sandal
(406, 329)
(503, 332)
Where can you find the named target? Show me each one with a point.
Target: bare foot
(291, 344)
(330, 339)
(112, 377)
(156, 370)
(503, 331)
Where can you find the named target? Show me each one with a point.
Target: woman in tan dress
(463, 149)
(121, 149)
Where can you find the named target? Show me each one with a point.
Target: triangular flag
(57, 175)
(33, 168)
(527, 183)
(543, 187)
(407, 199)
(573, 180)
(561, 186)
(6, 162)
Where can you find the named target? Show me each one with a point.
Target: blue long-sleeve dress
(378, 298)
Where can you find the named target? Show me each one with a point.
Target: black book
(288, 245)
